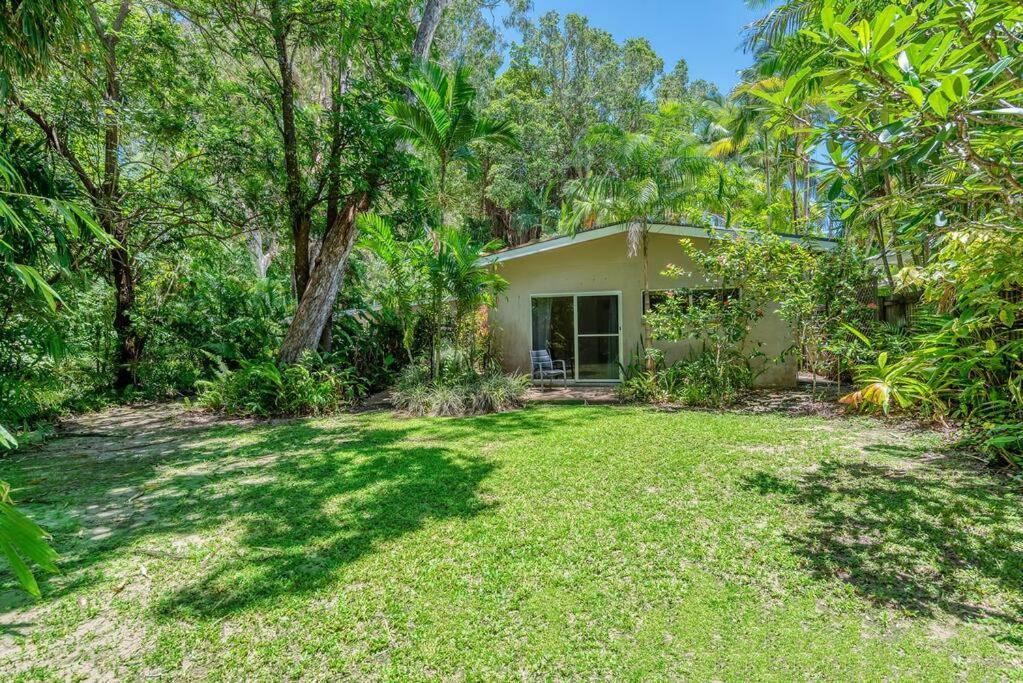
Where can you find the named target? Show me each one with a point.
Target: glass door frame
(575, 330)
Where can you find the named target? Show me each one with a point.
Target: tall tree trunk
(129, 341)
(262, 255)
(317, 303)
(767, 174)
(806, 188)
(105, 194)
(340, 87)
(315, 308)
(646, 296)
(303, 260)
(794, 180)
(884, 252)
(795, 195)
(428, 24)
(298, 213)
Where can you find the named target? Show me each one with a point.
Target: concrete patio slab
(572, 394)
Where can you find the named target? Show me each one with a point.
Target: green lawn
(553, 542)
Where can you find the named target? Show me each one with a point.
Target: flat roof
(680, 230)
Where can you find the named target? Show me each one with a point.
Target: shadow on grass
(299, 504)
(930, 535)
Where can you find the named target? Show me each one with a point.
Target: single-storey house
(581, 298)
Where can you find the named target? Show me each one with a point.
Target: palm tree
(404, 289)
(740, 134)
(648, 179)
(439, 119)
(457, 278)
(430, 279)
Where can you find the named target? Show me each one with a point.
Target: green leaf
(938, 103)
(856, 333)
(915, 94)
(35, 282)
(835, 191)
(828, 15)
(883, 30)
(863, 34)
(955, 87)
(22, 541)
(21, 571)
(7, 440)
(847, 35)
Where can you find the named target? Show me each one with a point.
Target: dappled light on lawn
(611, 540)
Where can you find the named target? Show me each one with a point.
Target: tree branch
(56, 142)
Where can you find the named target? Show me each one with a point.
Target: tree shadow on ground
(931, 534)
(298, 503)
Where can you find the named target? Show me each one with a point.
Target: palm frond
(780, 22)
(462, 94)
(497, 132)
(415, 125)
(431, 102)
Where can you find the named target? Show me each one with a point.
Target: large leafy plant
(433, 280)
(36, 233)
(741, 274)
(892, 384)
(922, 134)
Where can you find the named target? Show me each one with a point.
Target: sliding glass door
(584, 330)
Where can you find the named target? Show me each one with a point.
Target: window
(690, 296)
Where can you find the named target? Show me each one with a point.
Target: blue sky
(705, 32)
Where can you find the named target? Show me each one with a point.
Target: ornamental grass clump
(457, 393)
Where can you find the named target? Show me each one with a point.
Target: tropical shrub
(966, 346)
(901, 384)
(457, 393)
(264, 388)
(210, 310)
(700, 381)
(742, 275)
(369, 344)
(822, 291)
(435, 283)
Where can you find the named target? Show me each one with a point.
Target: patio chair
(545, 368)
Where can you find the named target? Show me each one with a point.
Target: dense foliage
(917, 108)
(700, 381)
(743, 277)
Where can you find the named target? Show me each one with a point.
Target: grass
(552, 542)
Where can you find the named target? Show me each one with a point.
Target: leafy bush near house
(964, 351)
(457, 393)
(700, 381)
(263, 388)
